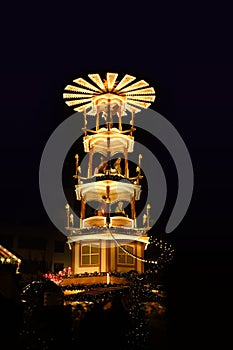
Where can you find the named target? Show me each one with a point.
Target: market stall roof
(8, 257)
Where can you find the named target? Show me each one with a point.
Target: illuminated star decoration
(134, 96)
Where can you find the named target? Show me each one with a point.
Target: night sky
(188, 62)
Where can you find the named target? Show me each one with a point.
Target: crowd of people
(43, 321)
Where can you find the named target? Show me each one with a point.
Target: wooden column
(110, 113)
(120, 120)
(97, 118)
(148, 214)
(90, 163)
(73, 260)
(108, 151)
(82, 211)
(132, 122)
(68, 215)
(85, 121)
(126, 163)
(110, 118)
(133, 211)
(108, 206)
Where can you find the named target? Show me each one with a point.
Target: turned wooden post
(126, 163)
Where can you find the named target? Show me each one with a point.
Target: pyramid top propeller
(132, 96)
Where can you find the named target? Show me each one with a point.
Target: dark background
(185, 53)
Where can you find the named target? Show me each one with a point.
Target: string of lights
(166, 255)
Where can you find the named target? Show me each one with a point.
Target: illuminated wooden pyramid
(108, 239)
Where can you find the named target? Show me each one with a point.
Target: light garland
(166, 255)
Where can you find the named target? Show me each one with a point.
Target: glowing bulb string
(155, 262)
(126, 251)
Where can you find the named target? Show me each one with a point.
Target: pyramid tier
(112, 142)
(101, 221)
(105, 234)
(113, 190)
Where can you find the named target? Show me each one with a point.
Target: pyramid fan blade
(148, 98)
(135, 86)
(111, 78)
(97, 80)
(75, 95)
(125, 81)
(145, 91)
(79, 89)
(84, 83)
